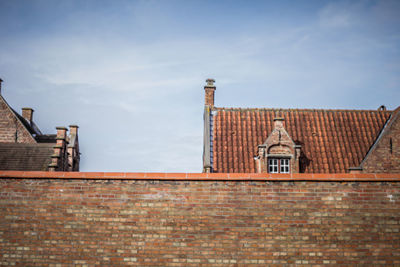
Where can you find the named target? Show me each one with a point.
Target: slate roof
(331, 140)
(25, 157)
(46, 138)
(31, 127)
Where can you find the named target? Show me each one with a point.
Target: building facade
(250, 140)
(24, 147)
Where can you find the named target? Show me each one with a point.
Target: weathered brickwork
(11, 129)
(84, 222)
(385, 157)
(209, 92)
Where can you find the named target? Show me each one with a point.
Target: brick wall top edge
(201, 176)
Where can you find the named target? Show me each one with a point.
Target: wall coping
(333, 177)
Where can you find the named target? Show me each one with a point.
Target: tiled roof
(25, 157)
(331, 140)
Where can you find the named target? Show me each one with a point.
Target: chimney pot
(0, 85)
(210, 82)
(27, 114)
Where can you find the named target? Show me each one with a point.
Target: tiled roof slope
(331, 140)
(25, 157)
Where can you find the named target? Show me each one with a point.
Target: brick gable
(12, 129)
(384, 155)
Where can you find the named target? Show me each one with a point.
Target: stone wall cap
(262, 177)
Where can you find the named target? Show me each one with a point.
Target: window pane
(284, 166)
(273, 165)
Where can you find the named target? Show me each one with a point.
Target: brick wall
(111, 219)
(385, 156)
(9, 126)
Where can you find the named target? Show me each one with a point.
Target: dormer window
(276, 165)
(279, 153)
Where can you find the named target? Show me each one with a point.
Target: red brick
(114, 175)
(155, 175)
(176, 176)
(159, 222)
(192, 176)
(134, 175)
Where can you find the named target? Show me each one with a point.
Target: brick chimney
(59, 158)
(27, 113)
(73, 129)
(210, 89)
(73, 149)
(0, 85)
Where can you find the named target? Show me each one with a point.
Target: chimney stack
(0, 85)
(73, 149)
(27, 113)
(278, 122)
(210, 89)
(59, 157)
(73, 129)
(61, 135)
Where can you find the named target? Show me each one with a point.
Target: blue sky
(131, 73)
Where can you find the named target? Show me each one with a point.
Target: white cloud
(335, 16)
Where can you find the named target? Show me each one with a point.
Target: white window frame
(278, 165)
(273, 165)
(284, 165)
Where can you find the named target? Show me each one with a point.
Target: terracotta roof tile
(331, 140)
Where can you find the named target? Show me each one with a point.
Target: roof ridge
(297, 109)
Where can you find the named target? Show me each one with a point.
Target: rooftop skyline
(131, 73)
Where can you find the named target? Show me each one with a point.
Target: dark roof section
(32, 128)
(331, 140)
(46, 138)
(25, 157)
